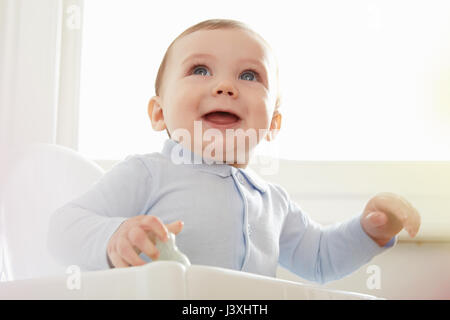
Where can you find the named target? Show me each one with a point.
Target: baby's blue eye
(249, 75)
(203, 71)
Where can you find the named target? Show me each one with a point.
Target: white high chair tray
(161, 280)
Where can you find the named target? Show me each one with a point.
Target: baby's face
(217, 79)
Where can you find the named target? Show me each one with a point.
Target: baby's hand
(386, 214)
(136, 235)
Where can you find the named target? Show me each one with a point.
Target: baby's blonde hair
(212, 24)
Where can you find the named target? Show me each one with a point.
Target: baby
(217, 98)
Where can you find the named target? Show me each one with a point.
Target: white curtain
(39, 78)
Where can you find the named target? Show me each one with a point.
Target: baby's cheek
(264, 121)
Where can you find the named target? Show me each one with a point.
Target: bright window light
(360, 80)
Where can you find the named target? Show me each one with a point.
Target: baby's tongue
(221, 117)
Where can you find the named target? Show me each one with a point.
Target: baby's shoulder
(153, 157)
(278, 190)
(148, 162)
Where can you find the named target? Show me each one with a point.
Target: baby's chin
(225, 145)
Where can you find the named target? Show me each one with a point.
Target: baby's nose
(230, 93)
(225, 88)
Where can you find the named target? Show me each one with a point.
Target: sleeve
(324, 253)
(80, 230)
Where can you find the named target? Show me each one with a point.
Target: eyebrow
(206, 55)
(198, 55)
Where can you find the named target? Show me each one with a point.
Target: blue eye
(249, 75)
(200, 70)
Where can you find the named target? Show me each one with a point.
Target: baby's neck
(192, 149)
(240, 166)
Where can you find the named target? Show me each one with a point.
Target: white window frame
(69, 76)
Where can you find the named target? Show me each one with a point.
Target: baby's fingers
(117, 261)
(155, 225)
(175, 227)
(140, 240)
(409, 216)
(127, 253)
(413, 222)
(392, 204)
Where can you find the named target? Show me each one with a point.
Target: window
(360, 80)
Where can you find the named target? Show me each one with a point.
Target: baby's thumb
(376, 219)
(175, 227)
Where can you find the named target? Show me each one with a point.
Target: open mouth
(221, 118)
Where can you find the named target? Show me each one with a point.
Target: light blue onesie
(232, 219)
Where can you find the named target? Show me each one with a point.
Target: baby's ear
(275, 126)
(155, 113)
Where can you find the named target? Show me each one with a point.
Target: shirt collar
(178, 154)
(255, 179)
(186, 157)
